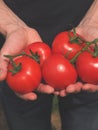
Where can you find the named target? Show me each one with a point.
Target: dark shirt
(50, 17)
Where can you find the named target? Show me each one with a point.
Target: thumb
(3, 68)
(79, 31)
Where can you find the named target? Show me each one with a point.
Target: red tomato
(62, 44)
(27, 79)
(41, 48)
(58, 72)
(87, 67)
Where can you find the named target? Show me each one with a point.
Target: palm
(18, 39)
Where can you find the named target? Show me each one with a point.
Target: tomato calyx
(33, 55)
(95, 53)
(16, 68)
(75, 38)
(86, 48)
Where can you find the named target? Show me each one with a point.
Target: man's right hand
(15, 42)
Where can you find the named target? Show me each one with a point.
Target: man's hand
(15, 42)
(18, 35)
(89, 32)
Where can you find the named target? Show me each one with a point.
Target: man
(24, 22)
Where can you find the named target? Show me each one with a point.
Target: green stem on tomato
(76, 39)
(95, 54)
(35, 56)
(73, 60)
(76, 56)
(16, 68)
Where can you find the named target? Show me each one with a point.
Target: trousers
(78, 111)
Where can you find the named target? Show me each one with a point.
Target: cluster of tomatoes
(60, 65)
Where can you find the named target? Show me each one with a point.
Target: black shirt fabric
(50, 17)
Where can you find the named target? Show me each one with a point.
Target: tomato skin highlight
(43, 50)
(58, 72)
(27, 79)
(62, 44)
(87, 67)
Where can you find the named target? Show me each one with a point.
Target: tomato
(58, 72)
(63, 44)
(87, 67)
(27, 79)
(43, 50)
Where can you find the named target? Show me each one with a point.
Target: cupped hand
(15, 42)
(89, 32)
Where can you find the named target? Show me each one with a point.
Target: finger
(63, 93)
(33, 36)
(27, 96)
(90, 87)
(45, 88)
(78, 86)
(73, 88)
(70, 88)
(79, 30)
(86, 87)
(3, 69)
(56, 93)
